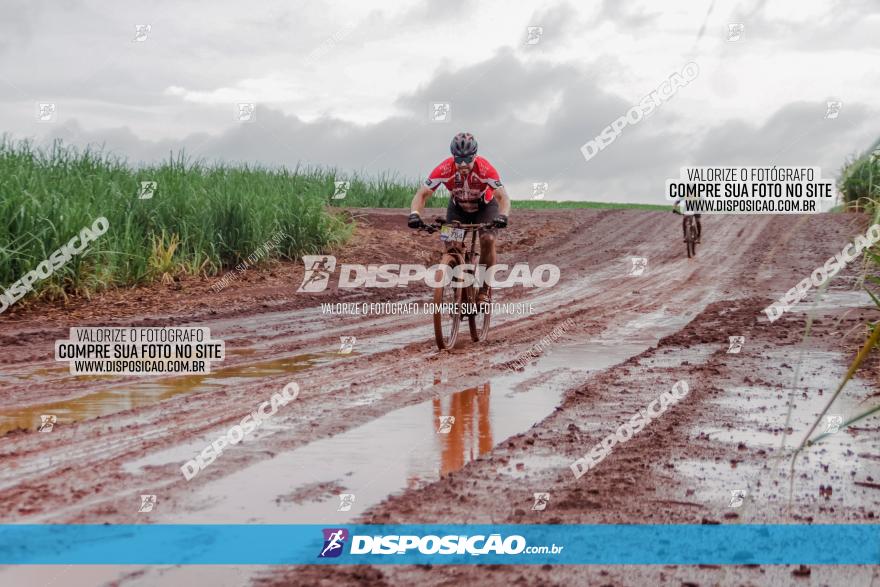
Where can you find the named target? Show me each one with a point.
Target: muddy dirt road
(366, 422)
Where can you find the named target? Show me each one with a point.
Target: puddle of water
(48, 376)
(767, 483)
(244, 352)
(651, 327)
(694, 356)
(762, 410)
(405, 448)
(711, 482)
(525, 464)
(642, 332)
(48, 371)
(841, 460)
(137, 394)
(835, 299)
(589, 356)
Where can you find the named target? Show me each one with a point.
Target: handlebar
(439, 222)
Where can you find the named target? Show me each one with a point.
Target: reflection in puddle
(470, 434)
(406, 448)
(136, 394)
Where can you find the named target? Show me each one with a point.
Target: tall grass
(383, 191)
(200, 219)
(859, 180)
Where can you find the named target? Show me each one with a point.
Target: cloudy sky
(350, 84)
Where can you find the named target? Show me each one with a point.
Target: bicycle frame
(460, 253)
(467, 253)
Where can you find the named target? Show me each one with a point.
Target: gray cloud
(617, 12)
(798, 134)
(433, 10)
(559, 21)
(16, 26)
(488, 99)
(530, 113)
(847, 25)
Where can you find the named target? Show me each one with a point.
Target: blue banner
(53, 544)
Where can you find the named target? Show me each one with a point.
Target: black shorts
(485, 213)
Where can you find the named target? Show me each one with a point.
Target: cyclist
(477, 196)
(679, 208)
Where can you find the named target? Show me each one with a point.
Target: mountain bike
(690, 235)
(456, 298)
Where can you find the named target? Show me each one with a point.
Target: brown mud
(366, 422)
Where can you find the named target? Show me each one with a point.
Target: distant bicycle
(453, 302)
(691, 236)
(691, 228)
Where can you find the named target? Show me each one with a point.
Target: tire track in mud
(679, 469)
(671, 472)
(610, 298)
(595, 290)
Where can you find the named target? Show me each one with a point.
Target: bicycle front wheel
(689, 236)
(479, 322)
(692, 239)
(447, 304)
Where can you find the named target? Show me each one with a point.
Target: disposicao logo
(319, 268)
(334, 540)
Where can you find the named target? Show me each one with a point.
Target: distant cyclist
(476, 196)
(679, 208)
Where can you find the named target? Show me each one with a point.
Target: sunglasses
(460, 160)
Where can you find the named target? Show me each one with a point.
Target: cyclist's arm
(423, 194)
(441, 173)
(493, 180)
(503, 200)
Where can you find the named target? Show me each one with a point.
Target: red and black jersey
(466, 192)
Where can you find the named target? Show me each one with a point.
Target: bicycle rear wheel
(693, 238)
(447, 320)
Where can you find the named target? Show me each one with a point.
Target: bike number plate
(450, 234)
